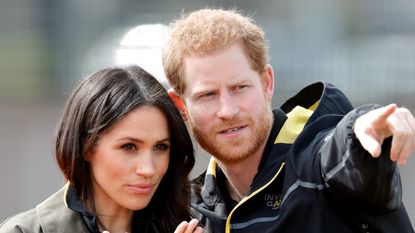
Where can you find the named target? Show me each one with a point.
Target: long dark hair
(98, 103)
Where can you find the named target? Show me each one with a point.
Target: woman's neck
(111, 217)
(117, 223)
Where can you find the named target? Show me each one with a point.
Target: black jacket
(314, 176)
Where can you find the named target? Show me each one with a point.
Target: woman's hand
(189, 227)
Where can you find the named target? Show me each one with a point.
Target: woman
(126, 154)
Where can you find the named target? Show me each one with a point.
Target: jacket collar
(55, 216)
(214, 176)
(74, 203)
(320, 97)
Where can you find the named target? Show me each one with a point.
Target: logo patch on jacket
(273, 201)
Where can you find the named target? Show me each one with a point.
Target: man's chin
(230, 156)
(226, 151)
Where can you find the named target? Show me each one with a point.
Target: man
(314, 165)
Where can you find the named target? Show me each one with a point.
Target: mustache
(229, 124)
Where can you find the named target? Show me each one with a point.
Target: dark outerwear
(314, 176)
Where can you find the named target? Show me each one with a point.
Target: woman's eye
(129, 146)
(162, 147)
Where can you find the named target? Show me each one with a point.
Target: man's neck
(240, 175)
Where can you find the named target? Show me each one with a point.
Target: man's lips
(232, 130)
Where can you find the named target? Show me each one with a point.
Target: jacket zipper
(245, 199)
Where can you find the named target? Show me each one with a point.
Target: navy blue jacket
(314, 176)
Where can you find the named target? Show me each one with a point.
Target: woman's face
(129, 161)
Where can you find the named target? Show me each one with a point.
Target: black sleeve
(350, 170)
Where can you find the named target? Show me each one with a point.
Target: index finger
(383, 113)
(189, 227)
(181, 227)
(192, 226)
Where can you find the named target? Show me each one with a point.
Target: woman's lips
(141, 188)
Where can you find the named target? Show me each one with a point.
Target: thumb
(370, 144)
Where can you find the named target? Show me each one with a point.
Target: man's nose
(228, 106)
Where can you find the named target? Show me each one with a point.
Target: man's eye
(240, 87)
(207, 95)
(129, 146)
(162, 147)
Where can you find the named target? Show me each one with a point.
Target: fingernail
(393, 157)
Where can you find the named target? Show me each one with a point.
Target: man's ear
(268, 82)
(178, 101)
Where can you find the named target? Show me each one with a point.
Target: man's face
(227, 106)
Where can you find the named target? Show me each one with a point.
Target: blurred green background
(367, 48)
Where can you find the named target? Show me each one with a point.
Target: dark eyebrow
(138, 140)
(165, 140)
